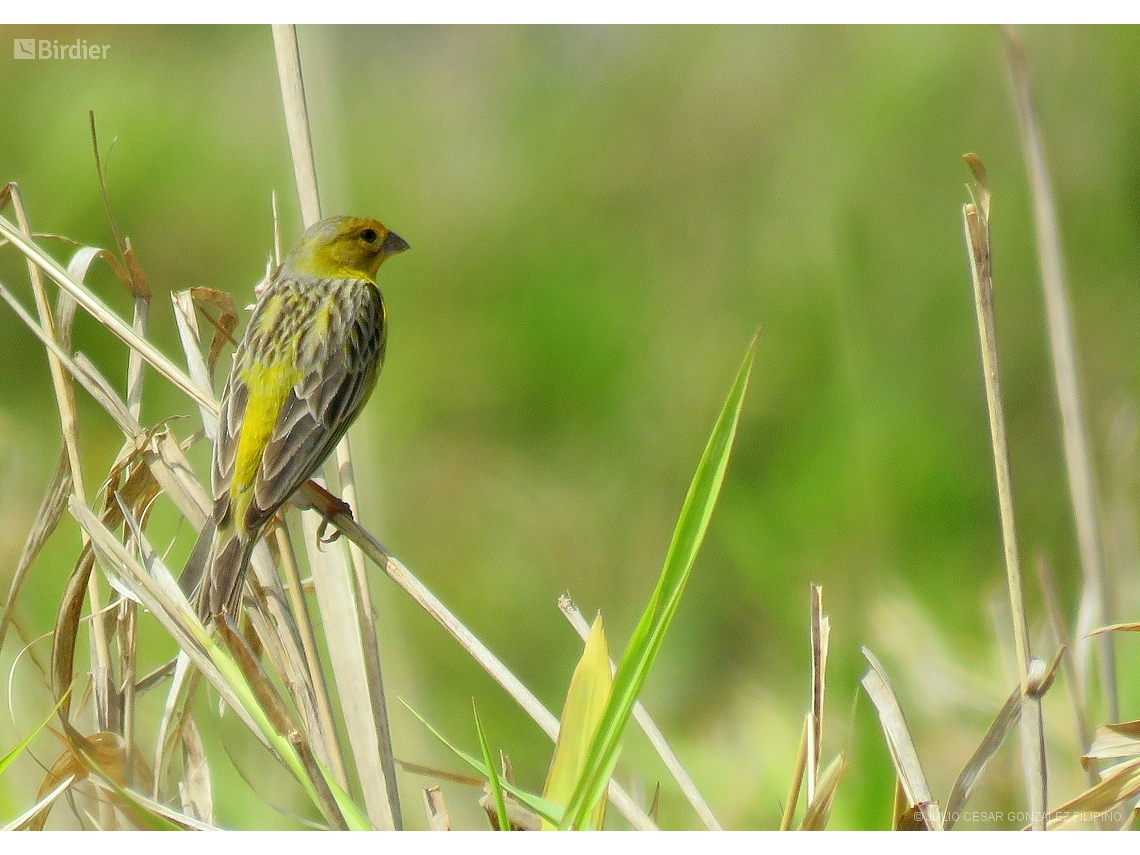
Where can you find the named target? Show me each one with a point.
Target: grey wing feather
(225, 447)
(320, 407)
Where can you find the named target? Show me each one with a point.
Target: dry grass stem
(789, 813)
(1078, 459)
(345, 605)
(819, 633)
(976, 218)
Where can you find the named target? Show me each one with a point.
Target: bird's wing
(336, 381)
(230, 418)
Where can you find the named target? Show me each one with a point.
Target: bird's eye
(368, 235)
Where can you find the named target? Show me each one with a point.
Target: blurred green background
(600, 218)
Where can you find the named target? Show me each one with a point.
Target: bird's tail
(199, 558)
(215, 571)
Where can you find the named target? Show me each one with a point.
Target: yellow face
(343, 247)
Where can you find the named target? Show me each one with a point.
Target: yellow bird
(301, 375)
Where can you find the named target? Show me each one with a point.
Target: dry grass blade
(366, 615)
(1078, 459)
(67, 632)
(297, 119)
(47, 518)
(78, 368)
(224, 324)
(899, 741)
(104, 315)
(276, 630)
(1105, 801)
(186, 321)
(976, 221)
(649, 727)
(818, 811)
(195, 788)
(324, 727)
(69, 423)
(1077, 698)
(160, 593)
(1114, 741)
(36, 815)
(797, 778)
(141, 322)
(338, 606)
(436, 809)
(1002, 725)
(1116, 627)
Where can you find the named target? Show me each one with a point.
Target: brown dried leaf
(137, 281)
(224, 324)
(67, 629)
(915, 818)
(103, 751)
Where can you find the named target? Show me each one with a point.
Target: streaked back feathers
(301, 375)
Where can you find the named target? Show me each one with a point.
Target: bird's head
(343, 248)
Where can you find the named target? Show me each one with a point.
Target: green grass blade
(7, 759)
(546, 810)
(646, 642)
(492, 775)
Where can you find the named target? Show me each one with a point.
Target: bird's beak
(393, 244)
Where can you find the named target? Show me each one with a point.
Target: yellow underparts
(268, 386)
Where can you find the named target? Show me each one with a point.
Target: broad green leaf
(646, 642)
(585, 703)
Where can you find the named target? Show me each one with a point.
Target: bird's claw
(329, 506)
(332, 538)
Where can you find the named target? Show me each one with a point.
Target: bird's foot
(329, 507)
